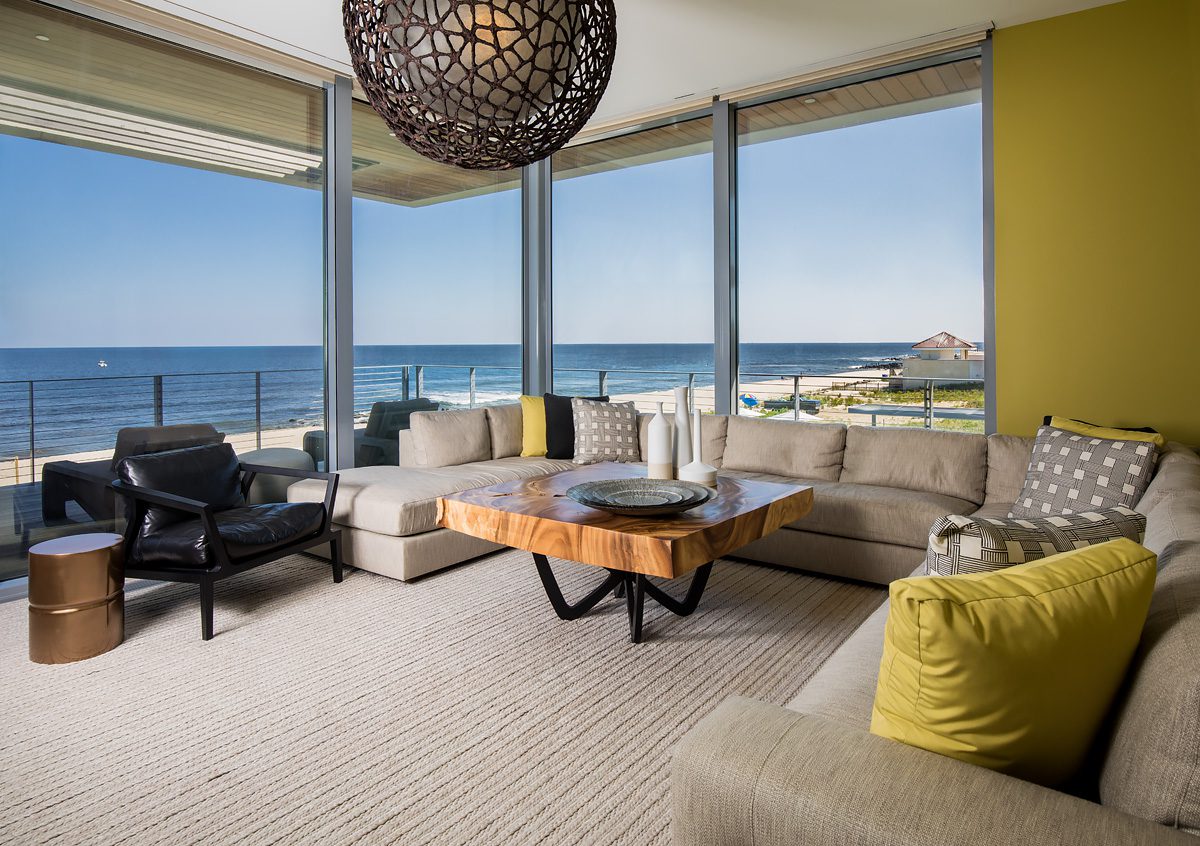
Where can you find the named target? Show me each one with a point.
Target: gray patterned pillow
(976, 545)
(605, 431)
(1069, 473)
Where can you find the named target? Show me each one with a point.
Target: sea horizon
(239, 388)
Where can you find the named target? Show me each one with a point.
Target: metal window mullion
(989, 247)
(537, 365)
(339, 265)
(725, 270)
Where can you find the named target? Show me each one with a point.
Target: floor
(456, 709)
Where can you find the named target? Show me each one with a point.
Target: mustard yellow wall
(1097, 198)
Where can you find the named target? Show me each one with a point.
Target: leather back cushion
(140, 440)
(448, 438)
(785, 447)
(209, 474)
(947, 463)
(1151, 763)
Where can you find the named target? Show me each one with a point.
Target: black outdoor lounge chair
(189, 522)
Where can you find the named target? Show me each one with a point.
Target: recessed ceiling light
(810, 100)
(42, 37)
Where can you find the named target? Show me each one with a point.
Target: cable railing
(49, 419)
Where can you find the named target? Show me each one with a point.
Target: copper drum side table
(76, 597)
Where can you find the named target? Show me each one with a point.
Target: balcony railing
(47, 419)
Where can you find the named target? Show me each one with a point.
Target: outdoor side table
(76, 597)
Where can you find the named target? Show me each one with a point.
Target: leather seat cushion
(246, 531)
(870, 512)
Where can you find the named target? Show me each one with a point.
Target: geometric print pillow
(975, 545)
(1069, 473)
(605, 431)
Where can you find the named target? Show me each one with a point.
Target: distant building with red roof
(943, 356)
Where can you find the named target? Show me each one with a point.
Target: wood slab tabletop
(536, 515)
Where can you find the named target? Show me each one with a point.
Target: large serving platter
(641, 497)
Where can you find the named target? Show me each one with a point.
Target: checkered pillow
(1069, 473)
(605, 431)
(975, 545)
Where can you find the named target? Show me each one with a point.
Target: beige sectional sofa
(811, 773)
(877, 490)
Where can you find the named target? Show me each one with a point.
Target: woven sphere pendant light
(483, 85)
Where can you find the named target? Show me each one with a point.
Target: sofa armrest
(756, 773)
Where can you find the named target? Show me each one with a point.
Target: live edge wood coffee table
(536, 515)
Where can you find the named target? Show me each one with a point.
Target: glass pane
(633, 266)
(161, 227)
(437, 287)
(860, 229)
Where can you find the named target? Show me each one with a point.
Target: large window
(437, 287)
(160, 227)
(632, 264)
(860, 260)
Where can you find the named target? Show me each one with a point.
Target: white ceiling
(670, 50)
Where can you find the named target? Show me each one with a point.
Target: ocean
(81, 396)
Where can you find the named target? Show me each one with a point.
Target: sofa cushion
(785, 447)
(1013, 670)
(605, 431)
(868, 512)
(1178, 470)
(1151, 763)
(1007, 461)
(505, 428)
(448, 438)
(1069, 473)
(948, 463)
(560, 425)
(402, 501)
(713, 429)
(975, 544)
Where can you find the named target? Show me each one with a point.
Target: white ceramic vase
(697, 471)
(683, 435)
(660, 462)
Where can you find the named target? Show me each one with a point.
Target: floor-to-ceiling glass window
(633, 267)
(161, 234)
(860, 260)
(437, 287)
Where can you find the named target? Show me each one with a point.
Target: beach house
(497, 423)
(942, 357)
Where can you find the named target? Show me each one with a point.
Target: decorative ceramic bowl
(641, 497)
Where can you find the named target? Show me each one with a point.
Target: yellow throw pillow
(533, 426)
(1106, 433)
(1013, 670)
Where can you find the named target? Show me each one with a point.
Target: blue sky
(869, 233)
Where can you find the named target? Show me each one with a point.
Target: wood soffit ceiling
(235, 120)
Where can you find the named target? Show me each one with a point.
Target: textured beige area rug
(457, 709)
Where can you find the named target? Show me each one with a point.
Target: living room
(599, 421)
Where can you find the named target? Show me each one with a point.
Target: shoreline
(16, 470)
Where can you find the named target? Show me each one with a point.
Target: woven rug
(456, 709)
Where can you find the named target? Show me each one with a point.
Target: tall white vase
(683, 435)
(659, 458)
(697, 471)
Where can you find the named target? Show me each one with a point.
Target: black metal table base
(634, 587)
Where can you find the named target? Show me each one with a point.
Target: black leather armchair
(189, 521)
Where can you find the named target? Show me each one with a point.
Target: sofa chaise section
(389, 514)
